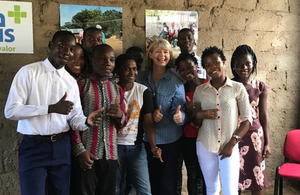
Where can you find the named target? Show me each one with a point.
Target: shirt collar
(167, 76)
(97, 79)
(227, 83)
(50, 68)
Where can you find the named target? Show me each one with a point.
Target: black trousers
(195, 180)
(163, 177)
(100, 180)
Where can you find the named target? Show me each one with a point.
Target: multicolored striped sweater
(102, 140)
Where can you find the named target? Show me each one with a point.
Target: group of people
(145, 117)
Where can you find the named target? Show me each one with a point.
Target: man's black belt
(52, 138)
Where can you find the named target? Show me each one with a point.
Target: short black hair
(87, 30)
(61, 33)
(121, 59)
(184, 30)
(212, 50)
(134, 48)
(182, 57)
(101, 48)
(238, 52)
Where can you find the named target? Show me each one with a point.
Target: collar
(227, 83)
(50, 68)
(98, 80)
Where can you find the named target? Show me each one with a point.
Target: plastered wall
(270, 27)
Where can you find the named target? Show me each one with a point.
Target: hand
(227, 150)
(157, 152)
(157, 115)
(86, 160)
(62, 106)
(266, 151)
(177, 117)
(208, 114)
(189, 104)
(95, 118)
(115, 110)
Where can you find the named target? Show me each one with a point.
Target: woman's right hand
(208, 114)
(157, 115)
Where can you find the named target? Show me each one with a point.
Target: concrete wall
(271, 27)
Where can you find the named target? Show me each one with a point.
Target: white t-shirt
(200, 70)
(133, 104)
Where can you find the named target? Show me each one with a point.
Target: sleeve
(16, 108)
(148, 106)
(263, 86)
(179, 99)
(78, 147)
(244, 105)
(77, 119)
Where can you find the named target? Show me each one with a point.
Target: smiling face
(128, 72)
(186, 41)
(103, 62)
(160, 56)
(61, 50)
(214, 65)
(244, 66)
(187, 69)
(92, 39)
(77, 61)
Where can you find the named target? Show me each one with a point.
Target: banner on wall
(16, 34)
(76, 18)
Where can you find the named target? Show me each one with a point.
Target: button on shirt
(34, 88)
(169, 93)
(231, 99)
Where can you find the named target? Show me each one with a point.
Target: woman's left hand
(267, 151)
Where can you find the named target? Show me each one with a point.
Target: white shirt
(200, 70)
(232, 100)
(133, 100)
(34, 88)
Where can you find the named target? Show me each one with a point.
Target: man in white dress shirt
(44, 98)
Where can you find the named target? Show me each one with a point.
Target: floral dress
(252, 165)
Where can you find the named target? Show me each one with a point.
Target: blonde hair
(148, 63)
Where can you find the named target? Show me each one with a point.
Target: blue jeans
(133, 159)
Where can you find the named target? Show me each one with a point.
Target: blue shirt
(169, 93)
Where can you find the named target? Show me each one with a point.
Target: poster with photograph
(166, 24)
(76, 18)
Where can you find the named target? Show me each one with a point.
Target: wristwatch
(238, 138)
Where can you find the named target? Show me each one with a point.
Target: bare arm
(263, 118)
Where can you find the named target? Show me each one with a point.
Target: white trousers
(229, 167)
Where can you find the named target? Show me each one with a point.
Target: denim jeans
(133, 159)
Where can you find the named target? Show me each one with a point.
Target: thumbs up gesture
(157, 115)
(115, 109)
(62, 106)
(177, 117)
(189, 104)
(95, 118)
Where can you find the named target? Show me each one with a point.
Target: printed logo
(17, 14)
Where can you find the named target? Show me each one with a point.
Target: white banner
(16, 34)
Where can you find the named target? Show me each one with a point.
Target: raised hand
(177, 117)
(189, 104)
(95, 118)
(115, 109)
(62, 106)
(157, 115)
(86, 160)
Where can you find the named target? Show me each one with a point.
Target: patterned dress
(252, 165)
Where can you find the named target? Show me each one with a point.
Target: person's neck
(245, 81)
(192, 84)
(186, 52)
(157, 73)
(218, 82)
(102, 78)
(126, 86)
